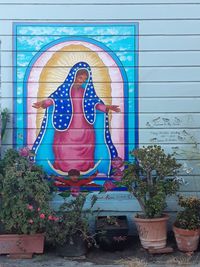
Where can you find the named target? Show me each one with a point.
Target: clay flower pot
(187, 240)
(152, 232)
(21, 246)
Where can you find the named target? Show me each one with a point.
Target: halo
(58, 66)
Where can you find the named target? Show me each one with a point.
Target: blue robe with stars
(59, 116)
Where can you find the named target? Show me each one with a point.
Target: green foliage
(189, 217)
(4, 121)
(151, 178)
(110, 220)
(24, 195)
(72, 221)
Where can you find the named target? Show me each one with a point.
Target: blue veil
(58, 118)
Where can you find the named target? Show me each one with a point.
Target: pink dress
(74, 147)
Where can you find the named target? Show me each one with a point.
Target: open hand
(37, 105)
(114, 108)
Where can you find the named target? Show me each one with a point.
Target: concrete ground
(132, 256)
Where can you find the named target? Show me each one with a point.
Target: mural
(75, 91)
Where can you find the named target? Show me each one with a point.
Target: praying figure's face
(80, 79)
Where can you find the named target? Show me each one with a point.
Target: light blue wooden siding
(169, 71)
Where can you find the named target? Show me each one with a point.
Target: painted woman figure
(74, 132)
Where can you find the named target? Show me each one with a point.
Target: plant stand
(112, 237)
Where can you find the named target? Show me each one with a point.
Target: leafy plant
(24, 194)
(189, 217)
(4, 121)
(111, 220)
(151, 178)
(72, 221)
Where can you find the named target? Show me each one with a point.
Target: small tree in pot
(151, 178)
(187, 225)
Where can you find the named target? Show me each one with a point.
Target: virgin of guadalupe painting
(76, 103)
(74, 116)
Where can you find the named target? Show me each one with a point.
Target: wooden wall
(169, 71)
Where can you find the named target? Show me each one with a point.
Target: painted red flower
(109, 186)
(24, 152)
(75, 191)
(42, 216)
(117, 163)
(117, 176)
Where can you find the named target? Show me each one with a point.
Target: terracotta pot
(21, 246)
(187, 240)
(152, 232)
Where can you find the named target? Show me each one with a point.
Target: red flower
(31, 221)
(75, 191)
(55, 218)
(109, 186)
(24, 152)
(42, 216)
(50, 218)
(29, 207)
(117, 162)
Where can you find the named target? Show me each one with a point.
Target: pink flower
(50, 218)
(29, 207)
(117, 176)
(24, 152)
(109, 186)
(42, 216)
(55, 218)
(30, 221)
(75, 191)
(38, 209)
(117, 162)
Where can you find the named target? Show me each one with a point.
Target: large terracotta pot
(21, 246)
(152, 232)
(187, 240)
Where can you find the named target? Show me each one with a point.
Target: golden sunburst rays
(58, 66)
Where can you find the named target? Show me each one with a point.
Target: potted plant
(24, 205)
(111, 232)
(151, 178)
(187, 225)
(69, 233)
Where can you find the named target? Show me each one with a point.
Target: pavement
(132, 256)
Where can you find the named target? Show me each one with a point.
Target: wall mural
(75, 94)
